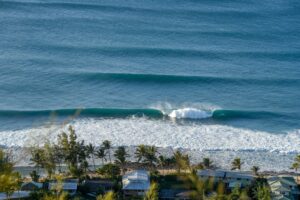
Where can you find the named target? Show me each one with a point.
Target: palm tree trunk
(109, 156)
(94, 162)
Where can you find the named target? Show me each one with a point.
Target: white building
(70, 187)
(136, 183)
(283, 188)
(15, 195)
(31, 186)
(231, 178)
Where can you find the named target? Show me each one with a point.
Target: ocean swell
(183, 113)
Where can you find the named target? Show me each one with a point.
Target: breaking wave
(184, 113)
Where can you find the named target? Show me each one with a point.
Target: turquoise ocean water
(201, 64)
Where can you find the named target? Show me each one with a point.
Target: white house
(136, 183)
(15, 195)
(231, 178)
(70, 187)
(31, 186)
(283, 188)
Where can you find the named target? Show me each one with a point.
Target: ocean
(206, 76)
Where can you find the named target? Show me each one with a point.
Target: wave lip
(190, 113)
(88, 112)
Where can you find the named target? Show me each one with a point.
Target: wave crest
(190, 113)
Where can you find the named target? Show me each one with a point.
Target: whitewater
(216, 141)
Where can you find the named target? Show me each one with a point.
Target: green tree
(107, 146)
(140, 152)
(49, 160)
(207, 163)
(74, 152)
(236, 164)
(9, 180)
(37, 157)
(34, 176)
(110, 171)
(150, 156)
(101, 154)
(262, 192)
(296, 164)
(152, 193)
(91, 150)
(182, 161)
(255, 170)
(120, 158)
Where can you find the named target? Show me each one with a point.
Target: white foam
(162, 133)
(190, 113)
(216, 140)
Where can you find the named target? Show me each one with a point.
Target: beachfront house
(31, 186)
(231, 179)
(67, 186)
(94, 187)
(283, 188)
(135, 183)
(15, 195)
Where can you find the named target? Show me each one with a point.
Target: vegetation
(236, 164)
(110, 171)
(120, 158)
(74, 154)
(108, 196)
(255, 170)
(262, 192)
(152, 193)
(9, 180)
(296, 164)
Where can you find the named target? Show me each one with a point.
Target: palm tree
(207, 163)
(37, 157)
(162, 162)
(182, 161)
(107, 146)
(101, 154)
(91, 151)
(236, 164)
(152, 193)
(296, 164)
(255, 170)
(262, 192)
(140, 152)
(120, 157)
(150, 156)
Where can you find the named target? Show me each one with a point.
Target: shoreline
(273, 162)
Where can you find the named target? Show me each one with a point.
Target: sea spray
(190, 113)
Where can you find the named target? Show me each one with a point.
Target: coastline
(269, 162)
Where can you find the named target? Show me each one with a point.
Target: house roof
(225, 174)
(136, 180)
(15, 195)
(65, 186)
(234, 184)
(212, 173)
(283, 180)
(95, 185)
(238, 174)
(36, 184)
